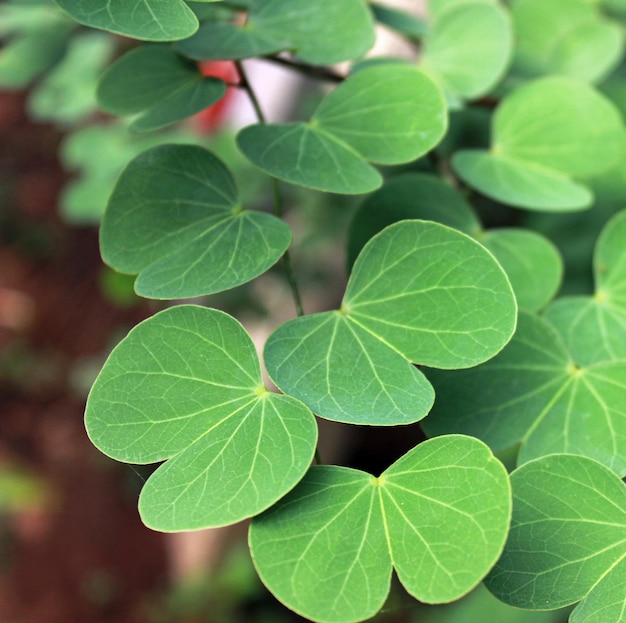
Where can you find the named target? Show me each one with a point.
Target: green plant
(512, 110)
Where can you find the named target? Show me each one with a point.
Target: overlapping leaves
(533, 394)
(567, 541)
(594, 327)
(531, 261)
(439, 516)
(185, 385)
(157, 84)
(321, 32)
(174, 219)
(387, 114)
(419, 292)
(545, 135)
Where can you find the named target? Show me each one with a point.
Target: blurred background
(72, 547)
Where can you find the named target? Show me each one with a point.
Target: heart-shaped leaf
(468, 61)
(159, 85)
(151, 20)
(568, 37)
(567, 540)
(388, 114)
(544, 133)
(532, 393)
(439, 516)
(174, 218)
(531, 261)
(419, 292)
(594, 328)
(321, 33)
(185, 385)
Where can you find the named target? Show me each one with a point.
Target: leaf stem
(320, 73)
(278, 203)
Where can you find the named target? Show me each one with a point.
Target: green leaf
(405, 23)
(388, 114)
(566, 37)
(567, 540)
(151, 20)
(439, 516)
(185, 385)
(531, 261)
(419, 292)
(322, 33)
(159, 85)
(544, 133)
(301, 154)
(532, 394)
(174, 219)
(594, 328)
(435, 7)
(468, 48)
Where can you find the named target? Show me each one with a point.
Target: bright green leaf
(174, 219)
(533, 394)
(468, 48)
(566, 37)
(567, 540)
(185, 385)
(419, 292)
(151, 20)
(405, 23)
(439, 515)
(320, 33)
(435, 7)
(159, 85)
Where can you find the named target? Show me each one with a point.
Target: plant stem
(320, 73)
(278, 203)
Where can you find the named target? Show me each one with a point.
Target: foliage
(474, 157)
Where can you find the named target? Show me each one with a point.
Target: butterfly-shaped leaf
(151, 20)
(186, 386)
(545, 133)
(419, 292)
(174, 218)
(567, 541)
(439, 516)
(157, 84)
(533, 394)
(321, 32)
(594, 328)
(386, 114)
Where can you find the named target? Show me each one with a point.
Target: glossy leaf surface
(151, 20)
(185, 385)
(320, 33)
(174, 219)
(533, 394)
(386, 114)
(567, 540)
(419, 292)
(439, 516)
(158, 85)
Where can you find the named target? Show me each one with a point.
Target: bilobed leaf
(321, 33)
(158, 85)
(387, 114)
(594, 328)
(545, 133)
(439, 516)
(567, 541)
(150, 20)
(534, 395)
(568, 37)
(174, 219)
(185, 385)
(468, 48)
(419, 292)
